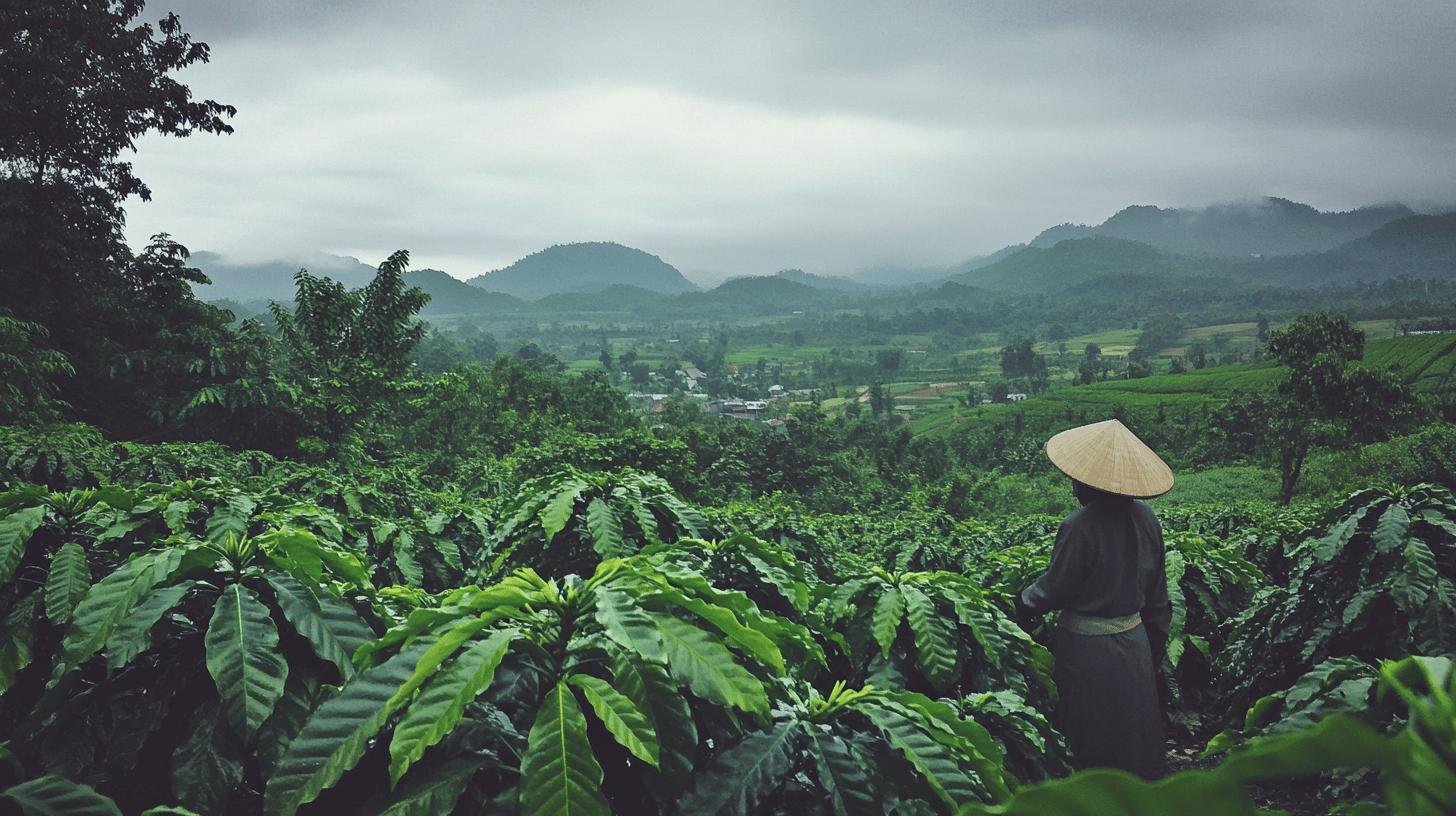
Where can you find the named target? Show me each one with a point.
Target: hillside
(632, 300)
(1270, 226)
(1418, 246)
(451, 297)
(586, 267)
(273, 280)
(823, 281)
(1069, 263)
(768, 292)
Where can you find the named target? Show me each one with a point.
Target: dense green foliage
(330, 559)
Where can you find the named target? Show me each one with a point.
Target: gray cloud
(746, 137)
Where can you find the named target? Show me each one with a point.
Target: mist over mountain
(585, 267)
(1269, 226)
(1416, 246)
(837, 284)
(1068, 263)
(273, 280)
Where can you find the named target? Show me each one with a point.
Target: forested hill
(1070, 263)
(452, 296)
(1417, 246)
(586, 267)
(1270, 226)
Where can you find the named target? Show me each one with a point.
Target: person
(1107, 581)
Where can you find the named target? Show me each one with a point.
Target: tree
(1198, 355)
(1327, 397)
(82, 83)
(889, 360)
(347, 349)
(1091, 364)
(1019, 360)
(29, 372)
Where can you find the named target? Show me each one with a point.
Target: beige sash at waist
(1080, 624)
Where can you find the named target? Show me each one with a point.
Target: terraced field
(1426, 361)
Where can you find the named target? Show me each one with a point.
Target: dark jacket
(1108, 562)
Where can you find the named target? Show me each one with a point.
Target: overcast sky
(741, 138)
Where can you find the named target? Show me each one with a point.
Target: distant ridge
(273, 280)
(1268, 226)
(583, 268)
(1068, 263)
(451, 296)
(822, 281)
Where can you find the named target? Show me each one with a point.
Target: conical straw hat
(1109, 457)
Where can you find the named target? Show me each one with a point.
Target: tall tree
(80, 82)
(1327, 397)
(347, 349)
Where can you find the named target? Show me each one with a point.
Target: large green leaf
(1101, 792)
(557, 512)
(17, 639)
(624, 720)
(935, 640)
(207, 764)
(15, 530)
(740, 778)
(975, 745)
(841, 775)
(627, 625)
(430, 793)
(559, 774)
(652, 690)
(292, 710)
(1338, 741)
(937, 765)
(606, 529)
(440, 705)
(1391, 529)
(67, 582)
(756, 643)
(337, 734)
(243, 658)
(326, 621)
(52, 795)
(701, 661)
(132, 636)
(230, 519)
(108, 602)
(889, 609)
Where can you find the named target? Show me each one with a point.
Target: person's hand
(1025, 618)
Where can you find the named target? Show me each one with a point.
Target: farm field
(1427, 362)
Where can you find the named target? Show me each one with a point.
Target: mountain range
(1268, 226)
(1273, 242)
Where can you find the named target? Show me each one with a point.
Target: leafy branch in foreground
(662, 664)
(859, 751)
(269, 619)
(1417, 765)
(933, 631)
(1379, 583)
(559, 523)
